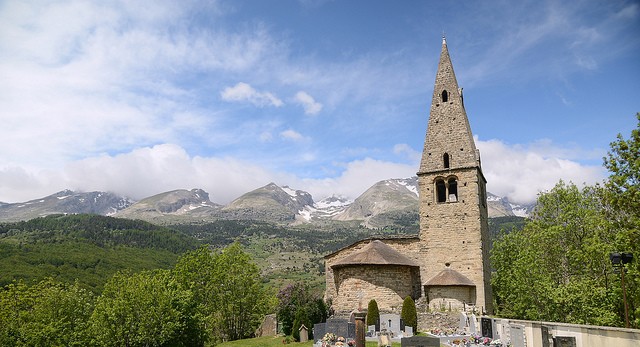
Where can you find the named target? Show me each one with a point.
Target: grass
(271, 341)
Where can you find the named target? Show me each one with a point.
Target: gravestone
(391, 322)
(371, 330)
(319, 331)
(304, 333)
(564, 341)
(486, 327)
(472, 324)
(517, 335)
(420, 341)
(464, 321)
(384, 340)
(340, 327)
(360, 329)
(547, 339)
(408, 331)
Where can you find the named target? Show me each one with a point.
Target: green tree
(241, 297)
(297, 300)
(45, 314)
(196, 270)
(146, 309)
(229, 289)
(409, 313)
(301, 318)
(623, 163)
(373, 314)
(623, 188)
(557, 267)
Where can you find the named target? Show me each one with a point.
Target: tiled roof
(375, 252)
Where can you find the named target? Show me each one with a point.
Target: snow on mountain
(325, 208)
(410, 183)
(501, 207)
(385, 203)
(388, 202)
(65, 202)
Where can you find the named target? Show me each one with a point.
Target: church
(447, 263)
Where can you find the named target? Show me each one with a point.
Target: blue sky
(141, 97)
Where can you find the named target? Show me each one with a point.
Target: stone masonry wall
(410, 247)
(450, 298)
(456, 233)
(387, 284)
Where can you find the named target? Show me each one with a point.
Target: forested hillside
(284, 253)
(86, 248)
(91, 248)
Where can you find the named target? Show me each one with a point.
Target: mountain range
(388, 203)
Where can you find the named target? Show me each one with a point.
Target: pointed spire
(449, 142)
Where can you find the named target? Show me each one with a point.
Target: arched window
(445, 159)
(453, 190)
(441, 191)
(445, 96)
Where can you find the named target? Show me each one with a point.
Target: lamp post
(618, 260)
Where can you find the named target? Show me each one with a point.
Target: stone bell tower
(453, 201)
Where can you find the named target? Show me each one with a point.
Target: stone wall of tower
(448, 132)
(453, 231)
(456, 233)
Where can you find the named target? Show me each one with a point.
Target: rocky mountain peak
(383, 202)
(270, 202)
(501, 207)
(386, 203)
(179, 202)
(65, 202)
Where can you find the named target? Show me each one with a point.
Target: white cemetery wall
(585, 335)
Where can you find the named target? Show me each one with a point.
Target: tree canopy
(557, 268)
(297, 305)
(206, 297)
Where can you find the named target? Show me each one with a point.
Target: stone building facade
(448, 262)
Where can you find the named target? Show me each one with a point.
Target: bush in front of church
(373, 314)
(409, 313)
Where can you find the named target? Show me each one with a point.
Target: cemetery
(474, 331)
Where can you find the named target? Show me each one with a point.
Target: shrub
(409, 313)
(373, 314)
(297, 301)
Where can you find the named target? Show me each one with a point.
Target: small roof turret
(449, 277)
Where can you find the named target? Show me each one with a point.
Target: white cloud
(90, 79)
(310, 105)
(83, 78)
(407, 151)
(291, 134)
(151, 170)
(358, 176)
(515, 171)
(265, 136)
(244, 92)
(521, 172)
